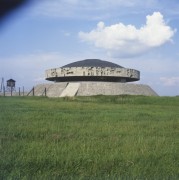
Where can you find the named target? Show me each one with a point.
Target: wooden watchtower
(11, 85)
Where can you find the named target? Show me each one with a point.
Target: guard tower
(11, 85)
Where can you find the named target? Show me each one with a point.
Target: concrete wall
(92, 71)
(111, 88)
(93, 88)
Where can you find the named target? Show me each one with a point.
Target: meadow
(100, 137)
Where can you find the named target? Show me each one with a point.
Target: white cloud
(155, 32)
(127, 40)
(170, 81)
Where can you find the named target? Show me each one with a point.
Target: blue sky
(135, 34)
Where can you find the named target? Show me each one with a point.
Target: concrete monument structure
(92, 70)
(92, 77)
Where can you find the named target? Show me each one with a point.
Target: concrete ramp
(70, 90)
(56, 89)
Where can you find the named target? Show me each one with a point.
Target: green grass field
(101, 137)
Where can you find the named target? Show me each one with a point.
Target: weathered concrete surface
(70, 90)
(107, 73)
(52, 90)
(40, 88)
(93, 88)
(111, 88)
(56, 89)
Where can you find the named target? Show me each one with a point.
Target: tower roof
(92, 63)
(11, 80)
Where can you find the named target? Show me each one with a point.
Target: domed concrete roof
(92, 63)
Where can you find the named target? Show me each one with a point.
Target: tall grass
(101, 137)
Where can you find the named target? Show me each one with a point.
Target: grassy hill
(101, 137)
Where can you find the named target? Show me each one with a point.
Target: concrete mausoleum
(92, 70)
(92, 77)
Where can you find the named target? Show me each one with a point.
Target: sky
(141, 35)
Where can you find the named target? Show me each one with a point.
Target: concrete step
(70, 90)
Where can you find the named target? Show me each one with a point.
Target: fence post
(19, 91)
(33, 91)
(11, 90)
(4, 91)
(23, 90)
(45, 91)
